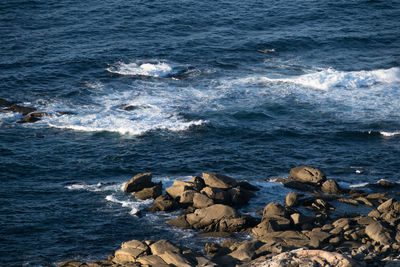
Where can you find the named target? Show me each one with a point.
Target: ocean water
(249, 89)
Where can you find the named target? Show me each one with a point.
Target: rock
(231, 224)
(216, 235)
(287, 238)
(271, 224)
(317, 237)
(152, 260)
(187, 197)
(247, 186)
(162, 246)
(5, 103)
(289, 183)
(70, 263)
(138, 182)
(385, 183)
(335, 240)
(150, 192)
(274, 210)
(385, 206)
(291, 199)
(204, 262)
(19, 109)
(304, 257)
(374, 214)
(300, 219)
(201, 201)
(349, 201)
(33, 117)
(177, 189)
(198, 183)
(378, 233)
(364, 201)
(127, 255)
(175, 259)
(343, 223)
(218, 195)
(130, 107)
(364, 220)
(179, 222)
(306, 174)
(212, 249)
(240, 196)
(164, 203)
(218, 180)
(212, 214)
(246, 250)
(135, 244)
(330, 187)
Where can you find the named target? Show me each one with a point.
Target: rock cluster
(307, 230)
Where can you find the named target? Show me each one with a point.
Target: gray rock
(307, 174)
(19, 109)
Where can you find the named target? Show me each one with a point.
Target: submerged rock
(19, 109)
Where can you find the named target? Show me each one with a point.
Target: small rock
(33, 117)
(274, 210)
(385, 183)
(330, 187)
(219, 180)
(291, 199)
(307, 174)
(138, 182)
(378, 233)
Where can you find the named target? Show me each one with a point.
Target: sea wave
(390, 134)
(99, 187)
(133, 205)
(160, 69)
(331, 78)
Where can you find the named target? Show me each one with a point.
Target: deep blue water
(245, 88)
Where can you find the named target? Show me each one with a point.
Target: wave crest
(159, 69)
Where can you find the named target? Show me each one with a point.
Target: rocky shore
(307, 230)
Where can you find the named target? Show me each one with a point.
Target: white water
(159, 69)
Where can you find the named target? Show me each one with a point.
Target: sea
(249, 89)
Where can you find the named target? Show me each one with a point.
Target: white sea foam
(390, 134)
(160, 69)
(359, 185)
(133, 205)
(331, 78)
(99, 187)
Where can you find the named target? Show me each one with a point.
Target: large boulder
(306, 174)
(202, 201)
(175, 259)
(152, 260)
(162, 246)
(240, 196)
(164, 203)
(378, 233)
(138, 182)
(150, 192)
(177, 188)
(206, 216)
(330, 187)
(274, 210)
(218, 195)
(219, 180)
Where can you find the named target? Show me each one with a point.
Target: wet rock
(330, 187)
(378, 233)
(150, 192)
(164, 203)
(202, 201)
(239, 196)
(19, 109)
(247, 186)
(306, 174)
(138, 182)
(5, 103)
(152, 260)
(385, 183)
(289, 183)
(291, 199)
(33, 117)
(219, 180)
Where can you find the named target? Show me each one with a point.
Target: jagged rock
(204, 262)
(201, 201)
(364, 220)
(287, 238)
(164, 203)
(246, 250)
(177, 188)
(374, 214)
(179, 222)
(198, 183)
(330, 187)
(162, 246)
(231, 224)
(152, 260)
(271, 224)
(240, 196)
(218, 195)
(342, 223)
(218, 180)
(300, 219)
(5, 103)
(302, 257)
(187, 196)
(291, 199)
(127, 255)
(385, 206)
(175, 259)
(364, 201)
(19, 109)
(138, 182)
(274, 210)
(317, 237)
(306, 174)
(212, 249)
(150, 192)
(212, 214)
(33, 117)
(378, 233)
(247, 186)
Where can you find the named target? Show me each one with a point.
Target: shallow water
(249, 90)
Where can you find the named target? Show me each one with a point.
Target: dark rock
(216, 235)
(164, 203)
(247, 186)
(385, 183)
(349, 201)
(70, 264)
(198, 183)
(33, 117)
(5, 103)
(219, 180)
(138, 182)
(240, 196)
(179, 222)
(19, 109)
(177, 189)
(274, 210)
(289, 183)
(306, 174)
(246, 250)
(317, 237)
(300, 219)
(130, 108)
(175, 259)
(330, 187)
(150, 192)
(291, 199)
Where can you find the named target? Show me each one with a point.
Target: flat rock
(138, 182)
(174, 258)
(219, 180)
(127, 255)
(162, 246)
(218, 195)
(152, 260)
(202, 201)
(150, 192)
(306, 174)
(378, 233)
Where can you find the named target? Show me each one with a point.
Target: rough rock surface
(138, 182)
(218, 180)
(307, 174)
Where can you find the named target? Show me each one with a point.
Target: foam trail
(389, 134)
(134, 206)
(99, 187)
(160, 69)
(331, 78)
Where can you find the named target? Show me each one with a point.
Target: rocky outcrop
(150, 192)
(19, 109)
(306, 174)
(138, 182)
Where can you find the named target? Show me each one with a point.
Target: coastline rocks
(19, 109)
(218, 180)
(378, 233)
(33, 117)
(206, 216)
(163, 203)
(330, 187)
(5, 103)
(150, 192)
(138, 182)
(291, 199)
(306, 174)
